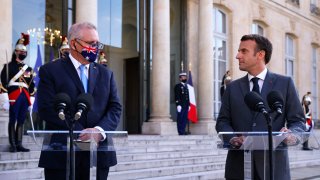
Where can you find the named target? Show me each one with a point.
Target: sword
(32, 126)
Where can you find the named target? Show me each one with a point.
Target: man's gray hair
(74, 31)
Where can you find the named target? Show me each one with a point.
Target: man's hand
(86, 135)
(237, 141)
(179, 108)
(290, 139)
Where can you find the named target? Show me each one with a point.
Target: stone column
(206, 125)
(6, 32)
(5, 53)
(87, 11)
(160, 121)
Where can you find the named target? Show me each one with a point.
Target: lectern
(256, 149)
(59, 142)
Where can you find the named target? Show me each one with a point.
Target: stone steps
(152, 157)
(164, 155)
(22, 174)
(165, 171)
(4, 119)
(171, 162)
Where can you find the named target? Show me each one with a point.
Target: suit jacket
(235, 116)
(61, 76)
(182, 95)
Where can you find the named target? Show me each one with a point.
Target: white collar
(261, 76)
(76, 63)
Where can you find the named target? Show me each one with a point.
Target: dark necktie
(255, 85)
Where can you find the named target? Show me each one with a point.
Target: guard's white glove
(32, 98)
(32, 102)
(189, 108)
(179, 108)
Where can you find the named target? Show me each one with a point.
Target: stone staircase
(149, 157)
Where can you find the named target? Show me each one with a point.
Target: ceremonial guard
(226, 79)
(102, 59)
(182, 103)
(64, 48)
(306, 102)
(17, 78)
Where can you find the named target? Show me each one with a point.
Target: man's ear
(73, 44)
(262, 54)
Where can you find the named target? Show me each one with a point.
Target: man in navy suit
(235, 116)
(67, 75)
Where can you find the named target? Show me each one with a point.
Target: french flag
(192, 114)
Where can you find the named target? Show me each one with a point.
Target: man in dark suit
(253, 54)
(65, 76)
(182, 102)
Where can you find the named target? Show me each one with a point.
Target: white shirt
(261, 76)
(77, 64)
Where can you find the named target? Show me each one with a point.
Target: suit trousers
(182, 120)
(54, 174)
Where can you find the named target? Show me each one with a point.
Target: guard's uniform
(20, 88)
(182, 99)
(17, 78)
(306, 103)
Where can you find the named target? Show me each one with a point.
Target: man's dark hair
(262, 44)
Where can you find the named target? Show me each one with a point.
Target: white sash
(15, 77)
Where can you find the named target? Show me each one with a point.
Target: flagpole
(188, 123)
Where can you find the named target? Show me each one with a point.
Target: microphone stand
(71, 149)
(270, 140)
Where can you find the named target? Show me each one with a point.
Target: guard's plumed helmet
(64, 44)
(22, 42)
(307, 100)
(102, 58)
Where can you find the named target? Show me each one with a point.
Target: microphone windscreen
(273, 97)
(62, 98)
(86, 99)
(252, 99)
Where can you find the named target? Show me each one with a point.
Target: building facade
(149, 42)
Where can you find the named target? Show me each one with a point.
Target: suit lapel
(268, 84)
(93, 72)
(244, 85)
(69, 67)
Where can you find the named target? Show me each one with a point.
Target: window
(45, 22)
(219, 55)
(256, 28)
(110, 17)
(314, 7)
(289, 56)
(314, 79)
(294, 2)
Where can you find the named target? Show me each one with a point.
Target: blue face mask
(89, 53)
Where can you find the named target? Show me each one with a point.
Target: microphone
(84, 102)
(255, 102)
(62, 103)
(275, 101)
